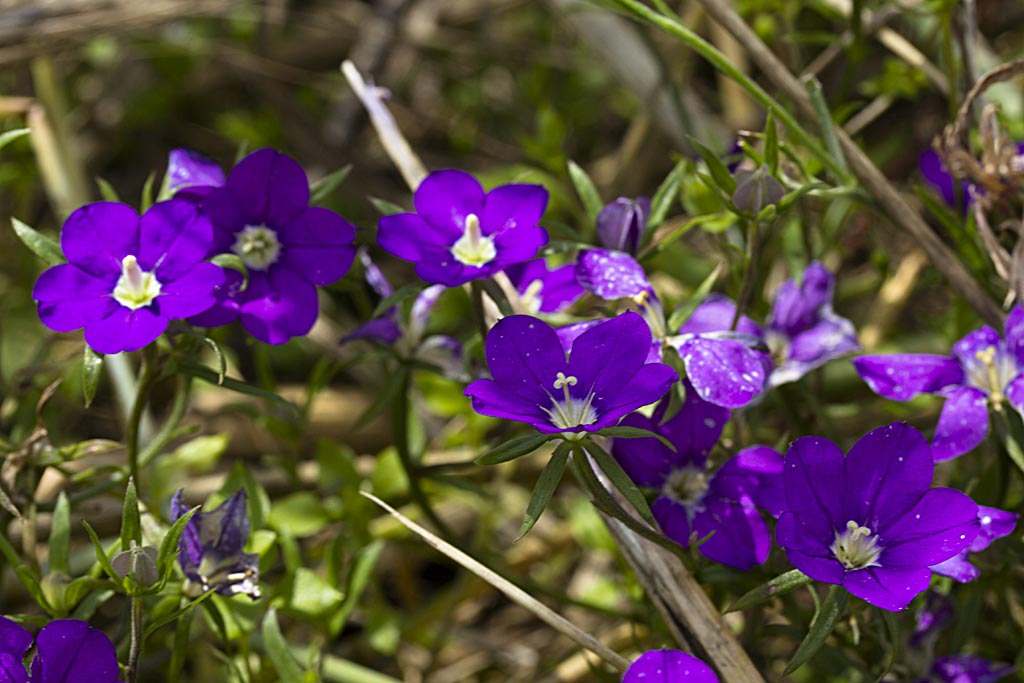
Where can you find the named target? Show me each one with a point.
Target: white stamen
(135, 288)
(857, 547)
(258, 246)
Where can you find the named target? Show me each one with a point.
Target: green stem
(182, 631)
(147, 373)
(749, 273)
(672, 25)
(400, 421)
(135, 645)
(174, 417)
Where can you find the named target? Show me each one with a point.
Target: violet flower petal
(446, 197)
(404, 234)
(806, 551)
(191, 293)
(957, 568)
(673, 519)
(97, 236)
(1014, 333)
(995, 524)
(374, 275)
(715, 314)
(668, 666)
(934, 171)
(490, 398)
(12, 670)
(508, 207)
(524, 357)
(741, 538)
(796, 306)
(268, 188)
(969, 669)
(723, 371)
(124, 330)
(810, 461)
(940, 525)
(15, 640)
(69, 651)
(318, 245)
(650, 383)
(611, 274)
(187, 168)
(647, 461)
(756, 472)
(962, 425)
(173, 237)
(831, 338)
(890, 589)
(69, 297)
(966, 349)
(902, 376)
(607, 356)
(279, 306)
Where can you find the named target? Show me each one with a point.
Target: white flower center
(258, 246)
(135, 288)
(992, 372)
(570, 412)
(857, 547)
(473, 249)
(686, 485)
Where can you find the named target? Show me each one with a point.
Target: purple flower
(934, 615)
(127, 277)
(262, 214)
(408, 338)
(621, 224)
(191, 176)
(211, 548)
(461, 233)
(668, 666)
(935, 173)
(67, 651)
(870, 521)
(994, 524)
(605, 377)
(968, 669)
(983, 369)
(694, 501)
(543, 290)
(611, 274)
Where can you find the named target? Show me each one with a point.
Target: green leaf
(131, 527)
(780, 585)
(827, 125)
(771, 145)
(169, 547)
(826, 618)
(25, 575)
(514, 448)
(60, 536)
(665, 195)
(298, 515)
(311, 596)
(624, 432)
(107, 191)
(319, 190)
(39, 244)
(545, 487)
(147, 193)
(686, 309)
(587, 191)
(103, 558)
(92, 367)
(288, 670)
(359, 575)
(12, 135)
(719, 173)
(386, 208)
(208, 375)
(397, 297)
(161, 621)
(621, 481)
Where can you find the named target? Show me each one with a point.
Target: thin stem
(400, 421)
(135, 645)
(477, 294)
(749, 273)
(174, 417)
(146, 375)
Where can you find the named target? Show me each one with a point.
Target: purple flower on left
(605, 377)
(461, 233)
(66, 650)
(126, 276)
(668, 666)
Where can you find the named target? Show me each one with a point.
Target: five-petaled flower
(66, 650)
(694, 501)
(262, 214)
(870, 521)
(668, 666)
(127, 277)
(605, 377)
(211, 548)
(984, 370)
(461, 233)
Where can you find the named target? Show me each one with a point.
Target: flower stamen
(135, 288)
(857, 547)
(573, 412)
(473, 248)
(258, 246)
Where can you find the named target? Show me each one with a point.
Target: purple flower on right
(870, 521)
(983, 370)
(966, 669)
(668, 666)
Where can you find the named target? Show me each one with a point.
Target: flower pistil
(857, 547)
(473, 248)
(135, 288)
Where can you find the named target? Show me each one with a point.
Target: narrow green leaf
(621, 481)
(39, 244)
(12, 135)
(771, 145)
(148, 195)
(665, 195)
(386, 208)
(60, 536)
(827, 125)
(826, 618)
(288, 670)
(103, 558)
(222, 363)
(208, 375)
(92, 367)
(169, 546)
(514, 448)
(623, 432)
(780, 585)
(719, 173)
(181, 613)
(319, 190)
(131, 526)
(359, 574)
(587, 191)
(397, 297)
(107, 191)
(683, 312)
(545, 487)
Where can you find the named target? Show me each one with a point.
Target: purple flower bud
(192, 176)
(621, 224)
